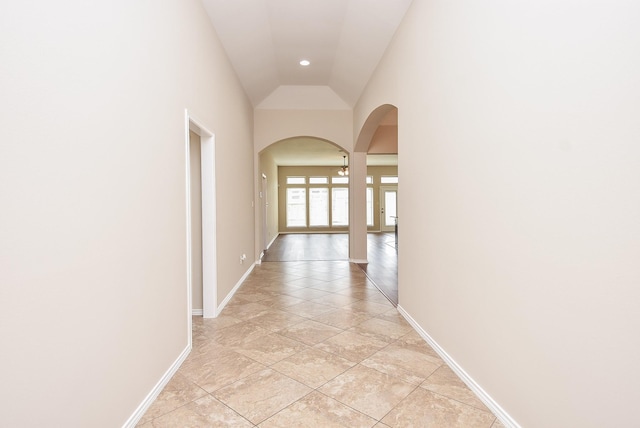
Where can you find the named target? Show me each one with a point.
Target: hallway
(313, 343)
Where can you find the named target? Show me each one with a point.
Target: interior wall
(518, 145)
(276, 125)
(196, 222)
(93, 266)
(235, 205)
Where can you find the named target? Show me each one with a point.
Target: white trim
(209, 255)
(187, 155)
(262, 253)
(235, 288)
(157, 389)
(208, 188)
(273, 240)
(387, 188)
(500, 413)
(196, 312)
(365, 261)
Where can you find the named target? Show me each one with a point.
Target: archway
(377, 142)
(301, 194)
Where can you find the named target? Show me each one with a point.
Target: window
(340, 180)
(389, 179)
(369, 179)
(340, 206)
(296, 207)
(296, 180)
(318, 180)
(318, 206)
(369, 206)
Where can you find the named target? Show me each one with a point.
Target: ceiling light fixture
(344, 170)
(304, 62)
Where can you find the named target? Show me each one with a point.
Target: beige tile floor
(313, 344)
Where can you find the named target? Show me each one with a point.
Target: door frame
(208, 189)
(265, 208)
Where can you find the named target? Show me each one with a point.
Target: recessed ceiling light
(304, 62)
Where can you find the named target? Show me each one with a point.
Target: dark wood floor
(295, 247)
(382, 255)
(382, 269)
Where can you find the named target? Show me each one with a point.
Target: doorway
(388, 208)
(208, 210)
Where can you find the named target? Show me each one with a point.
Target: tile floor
(313, 344)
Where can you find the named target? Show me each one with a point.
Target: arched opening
(378, 141)
(304, 200)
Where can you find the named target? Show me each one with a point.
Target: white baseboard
(196, 312)
(500, 413)
(273, 240)
(235, 288)
(262, 253)
(150, 398)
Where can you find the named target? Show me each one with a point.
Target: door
(388, 208)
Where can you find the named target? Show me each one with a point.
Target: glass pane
(340, 180)
(319, 207)
(296, 180)
(340, 206)
(318, 180)
(369, 179)
(296, 207)
(369, 206)
(389, 180)
(390, 207)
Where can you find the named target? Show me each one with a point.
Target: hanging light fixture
(344, 170)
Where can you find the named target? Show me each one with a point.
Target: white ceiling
(343, 39)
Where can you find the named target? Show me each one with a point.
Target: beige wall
(93, 301)
(272, 126)
(196, 221)
(518, 143)
(235, 203)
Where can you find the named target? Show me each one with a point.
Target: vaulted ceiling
(343, 40)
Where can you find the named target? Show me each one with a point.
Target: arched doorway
(304, 200)
(378, 141)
